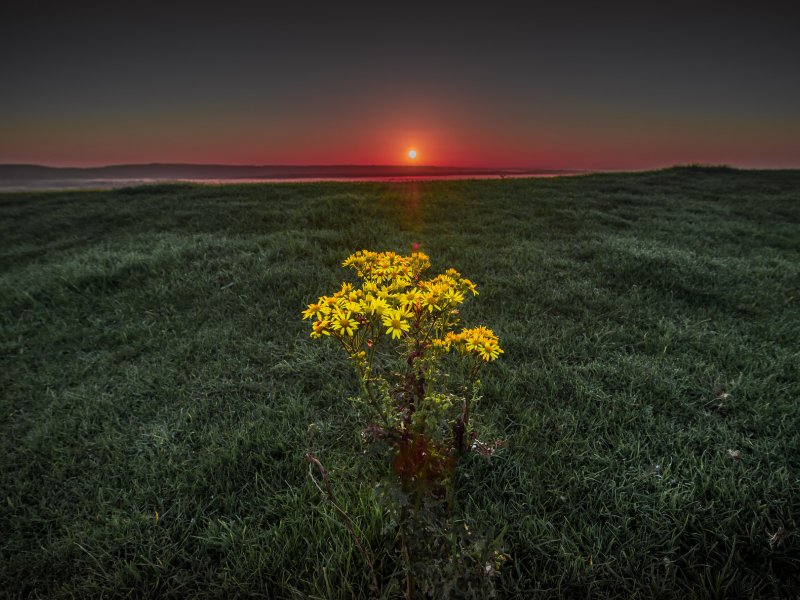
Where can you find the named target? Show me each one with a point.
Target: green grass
(135, 379)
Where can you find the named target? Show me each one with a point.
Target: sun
(412, 154)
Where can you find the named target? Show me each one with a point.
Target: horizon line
(191, 164)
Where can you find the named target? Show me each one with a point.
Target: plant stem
(472, 376)
(313, 459)
(410, 591)
(418, 499)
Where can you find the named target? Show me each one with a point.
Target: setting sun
(412, 154)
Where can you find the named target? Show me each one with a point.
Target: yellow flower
(403, 312)
(430, 300)
(313, 309)
(400, 283)
(320, 328)
(394, 322)
(489, 350)
(329, 304)
(377, 306)
(353, 306)
(454, 297)
(470, 286)
(352, 260)
(471, 337)
(443, 344)
(453, 338)
(409, 298)
(343, 322)
(384, 293)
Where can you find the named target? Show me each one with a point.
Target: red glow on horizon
(95, 141)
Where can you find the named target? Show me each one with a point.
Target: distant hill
(160, 171)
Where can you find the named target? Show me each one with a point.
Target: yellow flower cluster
(393, 300)
(387, 266)
(479, 339)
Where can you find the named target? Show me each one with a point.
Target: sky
(577, 86)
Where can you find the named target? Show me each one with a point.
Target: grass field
(158, 384)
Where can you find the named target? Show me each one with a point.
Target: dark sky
(584, 85)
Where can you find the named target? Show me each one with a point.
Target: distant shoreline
(191, 171)
(40, 178)
(33, 178)
(44, 185)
